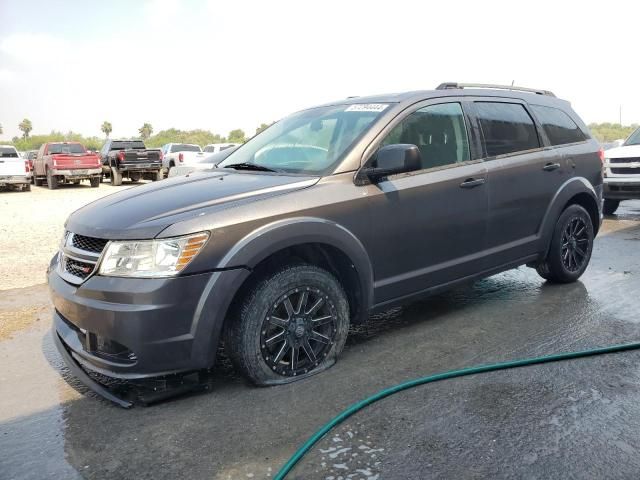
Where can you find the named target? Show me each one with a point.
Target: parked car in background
(14, 170)
(130, 159)
(334, 212)
(60, 162)
(175, 154)
(218, 147)
(31, 157)
(622, 173)
(206, 163)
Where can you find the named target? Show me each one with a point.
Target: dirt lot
(32, 225)
(576, 419)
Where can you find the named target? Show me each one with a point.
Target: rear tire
(571, 247)
(26, 187)
(95, 181)
(159, 175)
(52, 181)
(610, 206)
(291, 323)
(116, 177)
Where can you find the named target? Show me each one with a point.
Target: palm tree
(25, 126)
(106, 128)
(145, 131)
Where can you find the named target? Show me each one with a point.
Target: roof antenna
(512, 82)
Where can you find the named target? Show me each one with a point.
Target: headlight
(151, 258)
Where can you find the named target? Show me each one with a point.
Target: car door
(523, 173)
(429, 225)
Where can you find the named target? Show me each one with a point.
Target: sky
(220, 65)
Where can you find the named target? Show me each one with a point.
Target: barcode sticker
(367, 107)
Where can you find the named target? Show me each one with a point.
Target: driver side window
(438, 131)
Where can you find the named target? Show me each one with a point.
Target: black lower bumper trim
(81, 375)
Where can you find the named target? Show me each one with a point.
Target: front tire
(292, 323)
(95, 181)
(571, 247)
(609, 206)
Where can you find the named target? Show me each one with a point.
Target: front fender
(276, 236)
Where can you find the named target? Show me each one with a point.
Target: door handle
(550, 167)
(472, 182)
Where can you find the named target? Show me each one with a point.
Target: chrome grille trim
(73, 261)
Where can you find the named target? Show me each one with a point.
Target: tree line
(145, 132)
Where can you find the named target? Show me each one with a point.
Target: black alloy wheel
(299, 331)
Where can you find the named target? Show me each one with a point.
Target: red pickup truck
(60, 162)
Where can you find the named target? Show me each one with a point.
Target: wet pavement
(576, 419)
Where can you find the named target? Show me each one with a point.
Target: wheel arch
(575, 191)
(315, 241)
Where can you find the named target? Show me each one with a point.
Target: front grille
(624, 160)
(90, 244)
(78, 269)
(626, 171)
(625, 188)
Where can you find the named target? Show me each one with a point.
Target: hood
(143, 212)
(623, 152)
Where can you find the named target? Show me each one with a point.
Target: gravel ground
(31, 228)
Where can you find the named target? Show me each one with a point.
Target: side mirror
(392, 159)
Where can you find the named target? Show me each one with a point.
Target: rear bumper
(141, 167)
(139, 328)
(80, 173)
(13, 180)
(622, 188)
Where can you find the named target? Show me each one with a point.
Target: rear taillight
(121, 155)
(601, 155)
(26, 166)
(180, 157)
(161, 155)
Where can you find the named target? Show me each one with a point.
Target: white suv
(14, 170)
(622, 173)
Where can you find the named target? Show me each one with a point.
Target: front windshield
(311, 141)
(634, 138)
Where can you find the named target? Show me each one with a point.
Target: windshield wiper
(249, 166)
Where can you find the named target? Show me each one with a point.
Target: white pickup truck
(14, 170)
(622, 173)
(178, 154)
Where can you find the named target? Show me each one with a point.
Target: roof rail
(453, 85)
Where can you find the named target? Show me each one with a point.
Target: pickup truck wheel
(158, 176)
(26, 187)
(610, 206)
(52, 181)
(95, 181)
(291, 324)
(116, 177)
(571, 247)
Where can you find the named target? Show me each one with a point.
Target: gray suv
(325, 217)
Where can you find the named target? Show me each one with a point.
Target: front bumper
(132, 328)
(622, 187)
(13, 180)
(81, 173)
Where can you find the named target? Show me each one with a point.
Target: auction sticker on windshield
(367, 107)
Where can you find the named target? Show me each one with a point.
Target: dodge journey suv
(326, 216)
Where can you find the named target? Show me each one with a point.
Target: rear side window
(127, 145)
(506, 127)
(181, 147)
(57, 148)
(558, 126)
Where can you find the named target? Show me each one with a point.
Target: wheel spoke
(294, 358)
(316, 306)
(322, 320)
(318, 337)
(281, 352)
(278, 322)
(289, 307)
(308, 350)
(278, 337)
(581, 252)
(581, 231)
(583, 240)
(302, 302)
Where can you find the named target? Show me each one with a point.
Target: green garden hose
(316, 437)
